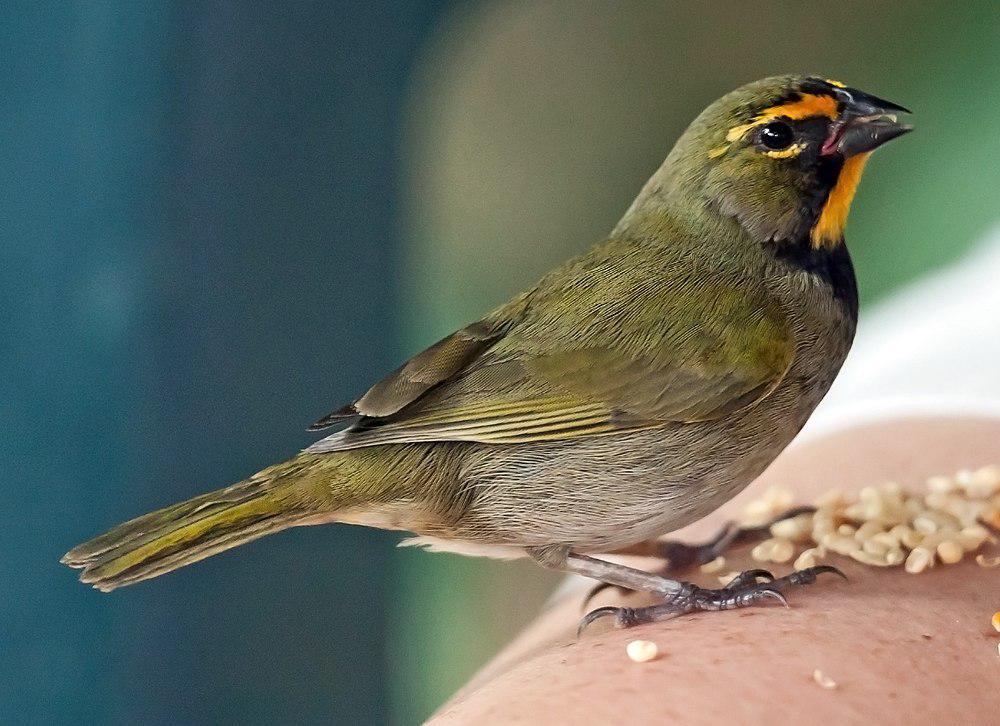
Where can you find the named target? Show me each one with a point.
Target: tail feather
(178, 535)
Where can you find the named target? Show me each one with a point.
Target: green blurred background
(222, 219)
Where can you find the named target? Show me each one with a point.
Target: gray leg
(680, 556)
(560, 558)
(680, 597)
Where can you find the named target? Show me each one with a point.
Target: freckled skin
(631, 391)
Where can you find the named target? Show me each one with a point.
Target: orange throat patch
(829, 228)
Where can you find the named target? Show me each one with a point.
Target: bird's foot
(743, 591)
(680, 556)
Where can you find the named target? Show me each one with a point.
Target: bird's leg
(630, 578)
(680, 598)
(680, 556)
(742, 592)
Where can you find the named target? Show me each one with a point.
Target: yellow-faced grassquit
(630, 392)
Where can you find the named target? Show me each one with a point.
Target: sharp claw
(597, 614)
(775, 595)
(598, 588)
(766, 574)
(820, 569)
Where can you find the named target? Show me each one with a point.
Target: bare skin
(914, 649)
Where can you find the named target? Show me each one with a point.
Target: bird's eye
(776, 136)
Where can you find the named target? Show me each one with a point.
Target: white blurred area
(933, 348)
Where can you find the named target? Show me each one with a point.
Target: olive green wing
(414, 378)
(518, 387)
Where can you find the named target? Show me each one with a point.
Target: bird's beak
(866, 123)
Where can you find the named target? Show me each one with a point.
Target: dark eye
(776, 136)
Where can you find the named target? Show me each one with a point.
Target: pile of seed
(884, 526)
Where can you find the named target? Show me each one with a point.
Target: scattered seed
(808, 558)
(984, 482)
(823, 680)
(950, 552)
(868, 530)
(796, 529)
(874, 547)
(972, 538)
(841, 544)
(782, 550)
(894, 557)
(996, 621)
(714, 566)
(869, 559)
(919, 560)
(924, 524)
(728, 577)
(762, 552)
(774, 501)
(642, 651)
(884, 526)
(944, 484)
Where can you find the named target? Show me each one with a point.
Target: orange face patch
(829, 228)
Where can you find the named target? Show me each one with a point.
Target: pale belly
(605, 493)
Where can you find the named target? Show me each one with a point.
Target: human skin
(902, 648)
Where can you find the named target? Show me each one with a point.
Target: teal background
(218, 220)
(198, 241)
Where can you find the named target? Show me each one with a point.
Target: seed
(971, 538)
(857, 512)
(868, 530)
(996, 621)
(823, 680)
(908, 537)
(728, 577)
(919, 560)
(988, 562)
(941, 484)
(642, 651)
(808, 558)
(885, 538)
(846, 530)
(774, 501)
(823, 524)
(950, 552)
(984, 482)
(782, 551)
(944, 519)
(840, 544)
(714, 566)
(895, 556)
(796, 529)
(869, 559)
(931, 541)
(874, 547)
(925, 524)
(762, 552)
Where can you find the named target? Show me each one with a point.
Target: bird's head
(782, 156)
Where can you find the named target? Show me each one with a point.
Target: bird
(630, 392)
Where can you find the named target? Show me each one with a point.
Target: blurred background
(221, 220)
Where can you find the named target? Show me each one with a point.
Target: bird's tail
(169, 538)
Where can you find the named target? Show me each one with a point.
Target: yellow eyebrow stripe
(810, 105)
